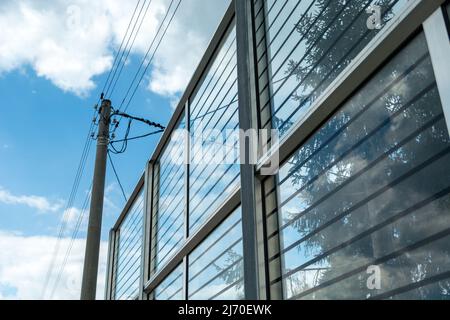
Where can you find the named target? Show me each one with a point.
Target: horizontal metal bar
(371, 58)
(230, 204)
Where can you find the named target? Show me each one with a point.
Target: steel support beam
(439, 46)
(146, 242)
(109, 265)
(247, 121)
(187, 156)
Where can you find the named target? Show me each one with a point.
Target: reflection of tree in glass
(332, 35)
(232, 271)
(319, 178)
(282, 125)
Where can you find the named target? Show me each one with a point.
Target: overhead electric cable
(117, 176)
(119, 60)
(81, 166)
(147, 55)
(72, 241)
(138, 137)
(130, 48)
(111, 78)
(69, 205)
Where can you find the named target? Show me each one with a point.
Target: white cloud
(70, 42)
(71, 216)
(41, 204)
(185, 44)
(112, 193)
(39, 34)
(25, 261)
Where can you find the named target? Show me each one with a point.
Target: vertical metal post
(147, 242)
(154, 221)
(115, 264)
(247, 121)
(110, 263)
(266, 189)
(89, 284)
(187, 156)
(439, 46)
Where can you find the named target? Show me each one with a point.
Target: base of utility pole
(90, 271)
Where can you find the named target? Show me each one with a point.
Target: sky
(54, 59)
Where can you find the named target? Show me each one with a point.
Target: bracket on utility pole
(89, 284)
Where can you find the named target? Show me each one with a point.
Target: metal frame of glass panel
(252, 86)
(439, 48)
(168, 209)
(114, 237)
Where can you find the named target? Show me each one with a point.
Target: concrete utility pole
(89, 284)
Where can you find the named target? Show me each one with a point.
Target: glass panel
(371, 187)
(214, 169)
(168, 224)
(172, 287)
(310, 42)
(216, 266)
(436, 290)
(128, 259)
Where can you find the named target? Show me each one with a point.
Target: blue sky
(48, 87)
(42, 133)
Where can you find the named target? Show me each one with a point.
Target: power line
(130, 48)
(73, 193)
(138, 137)
(74, 235)
(147, 54)
(145, 58)
(81, 166)
(148, 122)
(125, 141)
(88, 142)
(151, 59)
(117, 176)
(121, 60)
(120, 49)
